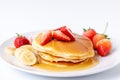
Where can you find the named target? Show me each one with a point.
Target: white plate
(104, 64)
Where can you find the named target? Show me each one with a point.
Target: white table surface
(20, 16)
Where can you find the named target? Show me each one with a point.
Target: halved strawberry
(45, 37)
(57, 34)
(68, 32)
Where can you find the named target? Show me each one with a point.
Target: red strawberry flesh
(68, 32)
(60, 28)
(45, 37)
(60, 36)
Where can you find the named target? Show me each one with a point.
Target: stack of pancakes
(60, 51)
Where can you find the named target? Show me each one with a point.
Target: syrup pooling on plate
(61, 67)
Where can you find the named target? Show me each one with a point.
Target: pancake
(52, 58)
(78, 50)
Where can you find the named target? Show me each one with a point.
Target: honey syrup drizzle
(60, 67)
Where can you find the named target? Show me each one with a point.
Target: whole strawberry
(20, 41)
(103, 47)
(90, 33)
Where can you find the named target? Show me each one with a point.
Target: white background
(20, 16)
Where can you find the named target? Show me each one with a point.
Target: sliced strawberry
(60, 28)
(60, 36)
(68, 32)
(46, 37)
(103, 47)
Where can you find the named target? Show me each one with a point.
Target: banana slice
(22, 49)
(18, 52)
(10, 50)
(26, 55)
(28, 58)
(29, 47)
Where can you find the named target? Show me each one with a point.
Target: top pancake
(81, 48)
